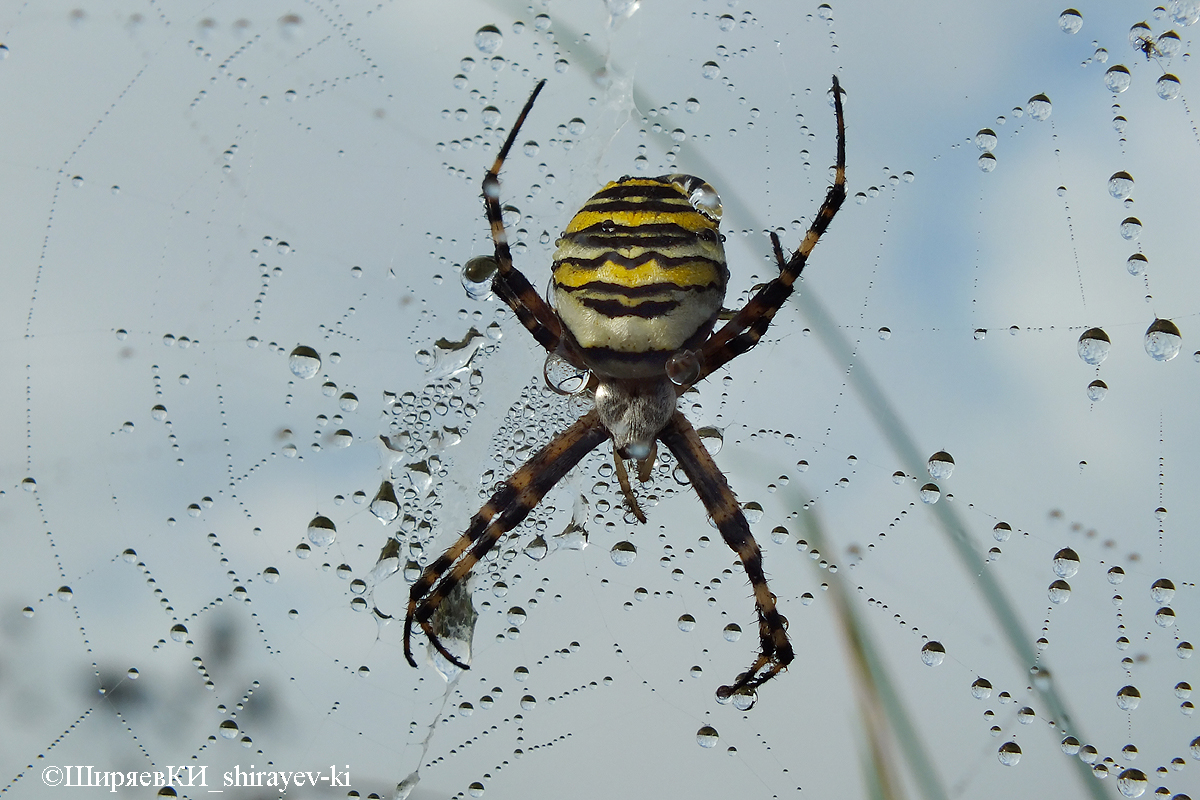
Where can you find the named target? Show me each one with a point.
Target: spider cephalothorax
(639, 277)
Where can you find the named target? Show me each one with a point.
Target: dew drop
(1009, 754)
(1059, 592)
(1001, 531)
(1163, 340)
(321, 531)
(686, 623)
(707, 736)
(1097, 390)
(1120, 185)
(1066, 563)
(179, 633)
(228, 729)
(933, 654)
(930, 493)
(981, 689)
(985, 140)
(1070, 21)
(1167, 87)
(304, 362)
(1136, 264)
(1132, 783)
(488, 39)
(710, 70)
(271, 575)
(1162, 591)
(1038, 107)
(623, 553)
(1128, 698)
(940, 465)
(986, 162)
(1117, 79)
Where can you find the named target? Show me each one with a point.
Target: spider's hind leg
(775, 651)
(509, 284)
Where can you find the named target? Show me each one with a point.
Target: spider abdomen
(640, 273)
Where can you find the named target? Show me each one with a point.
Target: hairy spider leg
(515, 498)
(510, 285)
(709, 483)
(747, 326)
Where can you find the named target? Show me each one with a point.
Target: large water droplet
(1162, 591)
(1128, 698)
(321, 531)
(1009, 754)
(623, 553)
(1136, 264)
(1117, 79)
(1059, 592)
(1097, 390)
(304, 362)
(933, 654)
(930, 493)
(707, 736)
(1038, 107)
(986, 140)
(1132, 783)
(940, 465)
(1070, 21)
(1120, 185)
(1066, 563)
(1163, 340)
(488, 39)
(1167, 87)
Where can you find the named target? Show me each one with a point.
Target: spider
(639, 277)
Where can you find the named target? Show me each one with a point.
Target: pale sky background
(183, 180)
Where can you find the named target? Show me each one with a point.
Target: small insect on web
(638, 281)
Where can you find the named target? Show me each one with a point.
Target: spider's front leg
(510, 504)
(775, 651)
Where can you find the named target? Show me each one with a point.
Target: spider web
(234, 241)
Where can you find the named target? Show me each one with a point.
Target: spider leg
(509, 284)
(626, 488)
(515, 498)
(747, 326)
(775, 651)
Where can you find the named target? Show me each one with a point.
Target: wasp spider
(638, 281)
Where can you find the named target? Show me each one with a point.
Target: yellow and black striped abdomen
(640, 273)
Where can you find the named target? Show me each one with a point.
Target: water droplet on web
(707, 736)
(985, 140)
(686, 623)
(1120, 185)
(1070, 21)
(930, 493)
(64, 593)
(1164, 617)
(981, 689)
(885, 334)
(228, 729)
(710, 70)
(1167, 87)
(1038, 107)
(732, 632)
(488, 39)
(1162, 591)
(1059, 592)
(940, 465)
(385, 506)
(986, 162)
(712, 439)
(1128, 698)
(1131, 228)
(476, 789)
(490, 116)
(1136, 264)
(1066, 563)
(1097, 390)
(179, 633)
(753, 512)
(28, 484)
(1009, 754)
(933, 654)
(683, 367)
(1163, 340)
(321, 531)
(1132, 783)
(1115, 575)
(271, 575)
(623, 553)
(304, 362)
(1117, 79)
